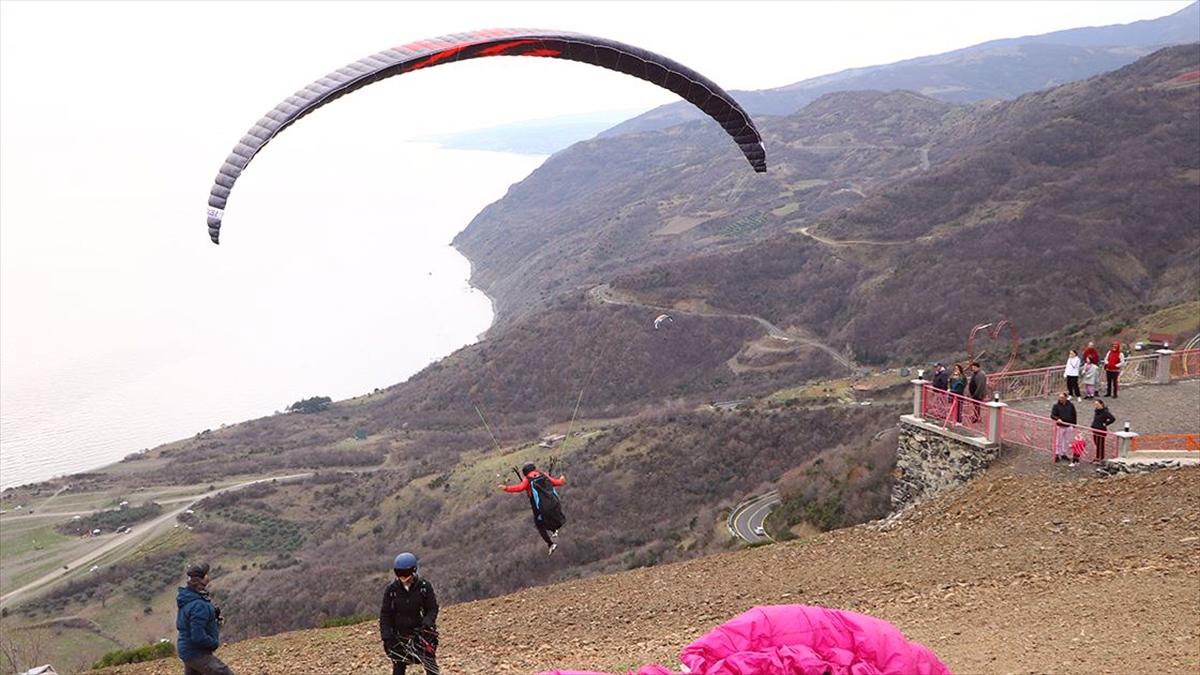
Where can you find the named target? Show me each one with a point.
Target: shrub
(310, 405)
(150, 652)
(110, 520)
(346, 620)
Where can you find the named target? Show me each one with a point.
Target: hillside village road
(129, 540)
(806, 231)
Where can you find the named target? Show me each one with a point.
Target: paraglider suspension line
(485, 425)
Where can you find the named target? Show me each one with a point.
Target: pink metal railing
(1040, 433)
(951, 410)
(1138, 370)
(1016, 385)
(1185, 364)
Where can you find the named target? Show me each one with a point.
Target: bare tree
(20, 650)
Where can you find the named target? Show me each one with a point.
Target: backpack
(546, 504)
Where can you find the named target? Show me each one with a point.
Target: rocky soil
(1013, 573)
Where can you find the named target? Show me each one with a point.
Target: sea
(124, 327)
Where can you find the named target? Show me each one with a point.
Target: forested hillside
(1047, 210)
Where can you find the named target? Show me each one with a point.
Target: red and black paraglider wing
(687, 83)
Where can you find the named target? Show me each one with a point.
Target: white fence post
(1163, 374)
(918, 392)
(995, 420)
(1125, 447)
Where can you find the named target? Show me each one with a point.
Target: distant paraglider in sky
(687, 83)
(662, 320)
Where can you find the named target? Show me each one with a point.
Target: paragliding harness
(421, 645)
(544, 499)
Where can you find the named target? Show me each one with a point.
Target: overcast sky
(104, 105)
(121, 326)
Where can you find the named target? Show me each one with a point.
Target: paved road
(747, 518)
(129, 541)
(56, 514)
(47, 514)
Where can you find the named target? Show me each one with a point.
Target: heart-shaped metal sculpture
(994, 332)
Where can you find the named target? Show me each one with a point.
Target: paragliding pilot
(408, 619)
(543, 498)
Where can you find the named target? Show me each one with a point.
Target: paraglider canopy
(801, 640)
(676, 77)
(662, 319)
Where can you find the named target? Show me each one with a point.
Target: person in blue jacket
(199, 625)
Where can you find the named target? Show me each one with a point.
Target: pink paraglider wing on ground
(803, 640)
(642, 670)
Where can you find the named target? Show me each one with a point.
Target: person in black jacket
(1063, 414)
(408, 619)
(941, 379)
(976, 389)
(1101, 418)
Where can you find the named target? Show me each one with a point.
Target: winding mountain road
(807, 231)
(605, 293)
(747, 519)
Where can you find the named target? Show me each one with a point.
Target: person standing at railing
(1114, 361)
(977, 388)
(1071, 372)
(1101, 418)
(1063, 414)
(941, 379)
(958, 385)
(1091, 379)
(1091, 354)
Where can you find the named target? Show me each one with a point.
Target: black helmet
(525, 470)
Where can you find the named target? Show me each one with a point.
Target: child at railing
(1078, 448)
(1091, 379)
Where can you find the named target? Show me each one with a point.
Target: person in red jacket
(1114, 361)
(1091, 354)
(543, 498)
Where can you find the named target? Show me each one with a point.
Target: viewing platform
(1157, 412)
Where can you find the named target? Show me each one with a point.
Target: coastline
(492, 306)
(470, 282)
(101, 448)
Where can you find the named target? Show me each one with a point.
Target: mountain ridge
(977, 72)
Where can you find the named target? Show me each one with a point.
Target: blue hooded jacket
(196, 621)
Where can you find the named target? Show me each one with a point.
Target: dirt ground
(1012, 573)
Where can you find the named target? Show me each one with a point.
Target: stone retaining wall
(929, 461)
(1115, 467)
